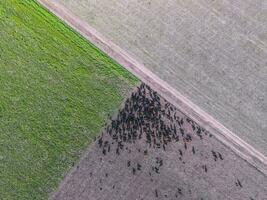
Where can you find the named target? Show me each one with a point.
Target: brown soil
(151, 150)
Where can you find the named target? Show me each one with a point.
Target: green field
(56, 91)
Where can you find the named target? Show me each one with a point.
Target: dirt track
(170, 94)
(214, 52)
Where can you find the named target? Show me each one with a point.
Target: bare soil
(151, 150)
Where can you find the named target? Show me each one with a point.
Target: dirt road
(214, 52)
(224, 135)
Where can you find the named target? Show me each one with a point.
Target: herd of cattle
(151, 150)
